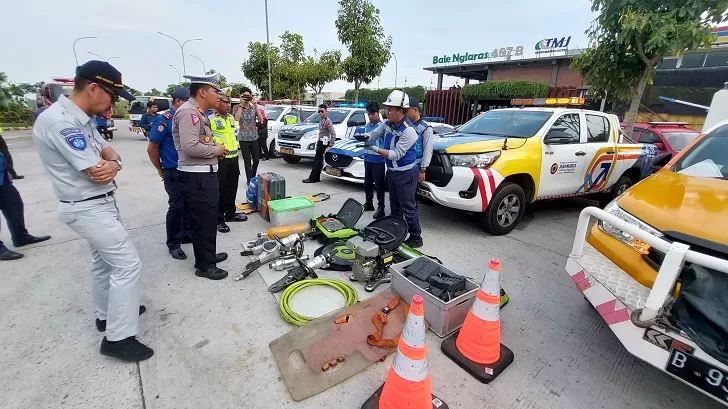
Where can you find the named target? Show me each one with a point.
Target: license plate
(699, 373)
(333, 172)
(288, 151)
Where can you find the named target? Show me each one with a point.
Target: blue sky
(38, 45)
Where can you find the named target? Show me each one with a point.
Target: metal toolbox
(444, 317)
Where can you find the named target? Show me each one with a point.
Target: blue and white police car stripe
(351, 148)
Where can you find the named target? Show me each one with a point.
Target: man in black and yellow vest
(223, 131)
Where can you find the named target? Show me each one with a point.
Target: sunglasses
(112, 94)
(321, 111)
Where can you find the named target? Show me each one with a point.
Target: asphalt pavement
(211, 338)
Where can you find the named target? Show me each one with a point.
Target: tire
(498, 225)
(623, 183)
(291, 159)
(272, 152)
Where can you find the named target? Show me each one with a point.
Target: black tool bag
(701, 310)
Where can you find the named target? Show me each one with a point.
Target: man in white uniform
(82, 167)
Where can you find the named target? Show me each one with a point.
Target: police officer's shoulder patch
(75, 138)
(218, 123)
(167, 115)
(160, 128)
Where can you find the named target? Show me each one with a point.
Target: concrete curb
(16, 128)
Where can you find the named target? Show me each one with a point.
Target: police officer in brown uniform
(198, 164)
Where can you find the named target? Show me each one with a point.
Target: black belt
(91, 198)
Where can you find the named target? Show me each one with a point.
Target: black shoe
(178, 254)
(310, 181)
(17, 177)
(187, 240)
(30, 239)
(220, 257)
(263, 159)
(6, 254)
(237, 217)
(101, 325)
(213, 273)
(129, 349)
(368, 206)
(223, 228)
(414, 242)
(379, 213)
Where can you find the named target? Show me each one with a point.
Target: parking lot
(211, 338)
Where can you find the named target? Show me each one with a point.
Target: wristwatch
(423, 170)
(119, 162)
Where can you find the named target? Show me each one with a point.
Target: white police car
(345, 160)
(276, 116)
(299, 141)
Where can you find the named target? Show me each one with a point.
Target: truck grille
(655, 257)
(338, 161)
(289, 145)
(291, 136)
(439, 173)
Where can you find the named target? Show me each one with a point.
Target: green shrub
(505, 90)
(16, 114)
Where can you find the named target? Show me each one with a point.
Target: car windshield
(707, 158)
(57, 90)
(272, 113)
(679, 140)
(336, 116)
(139, 105)
(507, 122)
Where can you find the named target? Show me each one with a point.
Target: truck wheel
(505, 209)
(272, 152)
(291, 159)
(623, 183)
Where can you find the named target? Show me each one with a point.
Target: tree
(236, 88)
(255, 68)
(132, 90)
(318, 73)
(359, 29)
(172, 87)
(632, 37)
(153, 92)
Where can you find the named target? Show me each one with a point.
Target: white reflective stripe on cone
(490, 285)
(485, 311)
(412, 370)
(413, 333)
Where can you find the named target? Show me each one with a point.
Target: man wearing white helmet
(400, 139)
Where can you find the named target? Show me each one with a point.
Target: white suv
(299, 141)
(275, 115)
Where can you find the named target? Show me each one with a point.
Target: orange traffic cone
(476, 347)
(408, 383)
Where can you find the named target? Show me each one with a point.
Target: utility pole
(74, 47)
(267, 49)
(181, 47)
(179, 77)
(200, 60)
(105, 59)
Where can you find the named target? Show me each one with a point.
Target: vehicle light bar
(547, 101)
(65, 80)
(669, 123)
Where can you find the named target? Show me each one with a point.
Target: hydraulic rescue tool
(273, 250)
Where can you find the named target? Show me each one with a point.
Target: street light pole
(200, 60)
(105, 59)
(395, 70)
(74, 47)
(181, 47)
(267, 49)
(179, 77)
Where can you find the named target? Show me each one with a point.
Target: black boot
(128, 349)
(368, 206)
(379, 213)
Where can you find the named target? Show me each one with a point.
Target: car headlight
(475, 160)
(636, 244)
(310, 134)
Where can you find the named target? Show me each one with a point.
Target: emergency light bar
(548, 101)
(668, 123)
(66, 80)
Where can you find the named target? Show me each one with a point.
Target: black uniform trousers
(374, 175)
(228, 173)
(263, 142)
(202, 196)
(11, 206)
(178, 223)
(251, 156)
(318, 161)
(402, 187)
(8, 159)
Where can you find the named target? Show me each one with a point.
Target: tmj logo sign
(548, 45)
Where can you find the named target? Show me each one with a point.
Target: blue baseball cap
(414, 103)
(181, 93)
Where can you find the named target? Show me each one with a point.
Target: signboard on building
(548, 46)
(552, 45)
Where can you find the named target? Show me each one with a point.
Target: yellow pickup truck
(501, 160)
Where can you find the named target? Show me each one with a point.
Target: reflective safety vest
(391, 137)
(420, 127)
(223, 133)
(290, 119)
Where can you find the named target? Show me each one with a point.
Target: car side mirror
(660, 146)
(557, 138)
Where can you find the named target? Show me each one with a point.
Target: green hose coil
(346, 289)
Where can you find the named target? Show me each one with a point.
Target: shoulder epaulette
(167, 115)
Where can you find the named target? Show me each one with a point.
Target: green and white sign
(460, 58)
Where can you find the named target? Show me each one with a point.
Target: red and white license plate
(287, 151)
